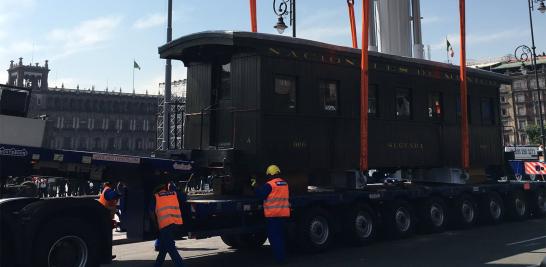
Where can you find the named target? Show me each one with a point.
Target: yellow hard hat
(273, 170)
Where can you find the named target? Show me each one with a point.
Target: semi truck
(256, 99)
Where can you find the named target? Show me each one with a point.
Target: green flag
(450, 51)
(135, 65)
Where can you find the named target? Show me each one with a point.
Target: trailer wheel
(66, 243)
(400, 218)
(517, 206)
(492, 208)
(315, 230)
(465, 211)
(361, 225)
(6, 248)
(245, 241)
(433, 215)
(538, 203)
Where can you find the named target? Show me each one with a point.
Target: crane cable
(351, 4)
(253, 17)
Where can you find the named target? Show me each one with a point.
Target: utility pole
(168, 73)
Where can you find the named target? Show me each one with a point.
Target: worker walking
(275, 195)
(109, 198)
(167, 211)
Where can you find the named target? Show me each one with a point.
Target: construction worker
(109, 198)
(166, 206)
(275, 195)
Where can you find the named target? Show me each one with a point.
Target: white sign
(116, 158)
(182, 166)
(523, 152)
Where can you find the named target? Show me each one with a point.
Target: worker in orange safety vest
(276, 204)
(109, 198)
(168, 215)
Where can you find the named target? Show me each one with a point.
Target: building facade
(89, 120)
(520, 100)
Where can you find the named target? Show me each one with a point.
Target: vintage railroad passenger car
(254, 99)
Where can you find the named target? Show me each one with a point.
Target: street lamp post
(283, 8)
(522, 54)
(526, 52)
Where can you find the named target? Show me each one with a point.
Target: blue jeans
(167, 245)
(275, 234)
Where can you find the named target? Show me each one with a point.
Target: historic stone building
(86, 119)
(520, 100)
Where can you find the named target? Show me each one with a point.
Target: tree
(533, 132)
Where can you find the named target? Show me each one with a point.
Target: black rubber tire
(465, 212)
(400, 219)
(245, 241)
(6, 248)
(360, 225)
(231, 241)
(433, 215)
(538, 203)
(492, 208)
(517, 206)
(72, 229)
(315, 231)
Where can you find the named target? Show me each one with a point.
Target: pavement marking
(525, 241)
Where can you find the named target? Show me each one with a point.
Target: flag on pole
(135, 65)
(450, 51)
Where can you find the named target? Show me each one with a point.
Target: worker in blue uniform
(275, 196)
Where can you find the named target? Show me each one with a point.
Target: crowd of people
(62, 187)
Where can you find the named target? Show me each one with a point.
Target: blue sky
(94, 42)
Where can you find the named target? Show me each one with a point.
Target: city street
(510, 244)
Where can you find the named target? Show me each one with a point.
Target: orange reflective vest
(110, 204)
(167, 209)
(277, 203)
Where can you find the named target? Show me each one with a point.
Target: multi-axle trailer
(256, 99)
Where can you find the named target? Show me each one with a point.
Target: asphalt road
(514, 244)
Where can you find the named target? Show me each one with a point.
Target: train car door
(221, 130)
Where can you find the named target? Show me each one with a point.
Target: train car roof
(181, 47)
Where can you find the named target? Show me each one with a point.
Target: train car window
(285, 94)
(329, 91)
(225, 81)
(487, 113)
(372, 101)
(458, 109)
(435, 109)
(403, 103)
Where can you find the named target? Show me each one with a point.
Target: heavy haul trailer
(233, 131)
(256, 99)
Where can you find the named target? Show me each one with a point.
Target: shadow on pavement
(493, 246)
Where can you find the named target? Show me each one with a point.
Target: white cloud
(87, 35)
(152, 20)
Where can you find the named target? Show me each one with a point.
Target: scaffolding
(175, 109)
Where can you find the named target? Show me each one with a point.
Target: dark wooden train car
(254, 99)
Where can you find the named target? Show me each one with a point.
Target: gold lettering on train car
(293, 54)
(402, 145)
(403, 70)
(350, 62)
(274, 51)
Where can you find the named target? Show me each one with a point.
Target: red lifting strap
(253, 17)
(351, 4)
(364, 88)
(465, 140)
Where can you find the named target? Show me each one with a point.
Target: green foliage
(533, 132)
